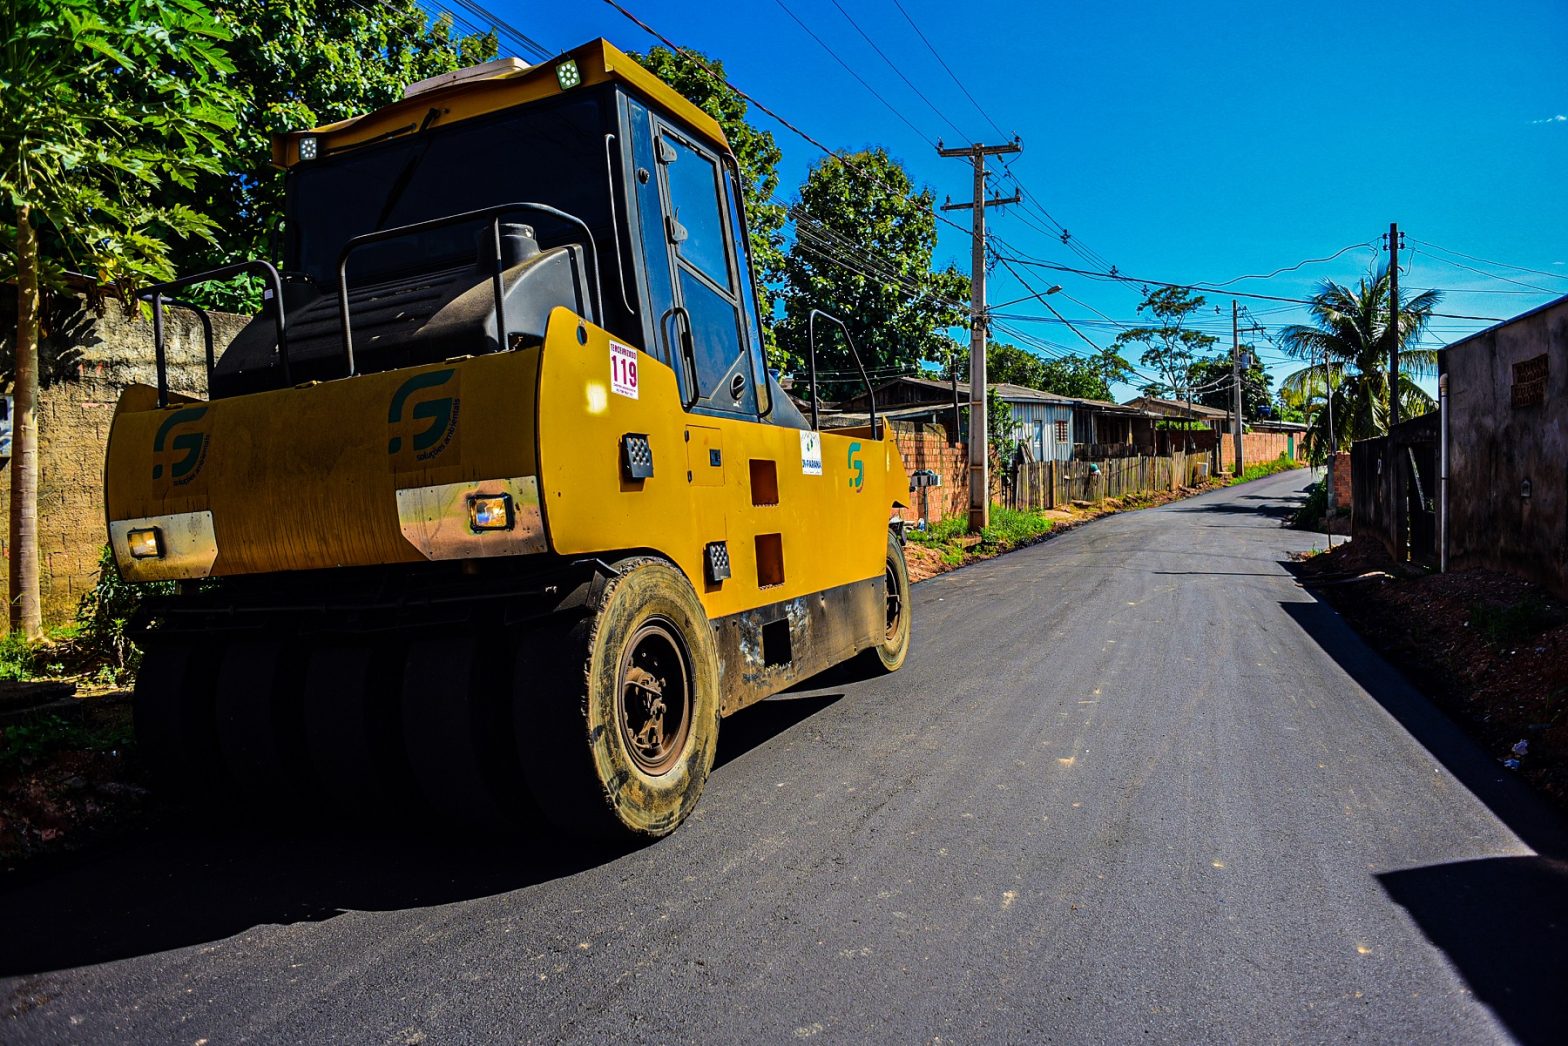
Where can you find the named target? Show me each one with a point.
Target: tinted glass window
(716, 344)
(748, 303)
(650, 232)
(551, 154)
(694, 195)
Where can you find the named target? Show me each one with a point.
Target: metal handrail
(494, 214)
(811, 339)
(155, 295)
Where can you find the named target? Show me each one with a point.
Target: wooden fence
(1054, 484)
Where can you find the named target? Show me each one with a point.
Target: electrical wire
(1485, 261)
(893, 66)
(930, 47)
(858, 78)
(1205, 287)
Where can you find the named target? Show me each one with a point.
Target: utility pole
(979, 462)
(1333, 444)
(1393, 324)
(1235, 369)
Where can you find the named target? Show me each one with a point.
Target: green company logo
(438, 414)
(859, 466)
(188, 450)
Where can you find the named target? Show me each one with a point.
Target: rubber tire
(566, 689)
(260, 723)
(455, 727)
(176, 729)
(888, 655)
(354, 730)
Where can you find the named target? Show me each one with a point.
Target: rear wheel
(456, 709)
(617, 712)
(175, 718)
(893, 647)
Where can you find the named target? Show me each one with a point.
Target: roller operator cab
(495, 505)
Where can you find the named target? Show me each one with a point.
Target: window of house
(1061, 432)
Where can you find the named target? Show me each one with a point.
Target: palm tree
(1350, 333)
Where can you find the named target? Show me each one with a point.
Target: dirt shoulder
(926, 561)
(1490, 649)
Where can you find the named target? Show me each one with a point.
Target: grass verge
(1267, 468)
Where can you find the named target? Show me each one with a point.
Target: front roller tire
(890, 651)
(617, 712)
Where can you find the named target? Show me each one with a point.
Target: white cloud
(1559, 118)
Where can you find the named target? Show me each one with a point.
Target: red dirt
(1433, 627)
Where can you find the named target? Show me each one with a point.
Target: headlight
(489, 512)
(145, 544)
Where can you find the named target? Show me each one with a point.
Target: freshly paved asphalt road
(1134, 784)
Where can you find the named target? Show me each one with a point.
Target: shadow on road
(1502, 921)
(1273, 508)
(193, 878)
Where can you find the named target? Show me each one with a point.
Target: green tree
(1000, 427)
(756, 154)
(1076, 376)
(1170, 345)
(1351, 329)
(1111, 368)
(303, 64)
(862, 252)
(104, 103)
(1213, 376)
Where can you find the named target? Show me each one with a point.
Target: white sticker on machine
(623, 370)
(810, 453)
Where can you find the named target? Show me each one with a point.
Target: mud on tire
(617, 711)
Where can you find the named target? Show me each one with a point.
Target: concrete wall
(1508, 447)
(104, 354)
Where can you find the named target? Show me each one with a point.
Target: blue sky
(1180, 142)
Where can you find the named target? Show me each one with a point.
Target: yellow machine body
(458, 458)
(379, 469)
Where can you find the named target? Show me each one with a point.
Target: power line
(1484, 261)
(1491, 275)
(956, 80)
(850, 70)
(893, 66)
(1292, 268)
(721, 81)
(1205, 287)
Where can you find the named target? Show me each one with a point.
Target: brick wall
(1339, 488)
(1263, 447)
(926, 446)
(109, 353)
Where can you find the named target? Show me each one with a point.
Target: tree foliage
(101, 104)
(757, 156)
(1169, 345)
(862, 252)
(1351, 329)
(297, 65)
(1213, 375)
(1078, 376)
(106, 104)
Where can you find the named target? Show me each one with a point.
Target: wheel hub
(895, 603)
(655, 698)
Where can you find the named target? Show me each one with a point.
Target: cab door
(711, 287)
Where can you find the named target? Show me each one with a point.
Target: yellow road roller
(494, 508)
